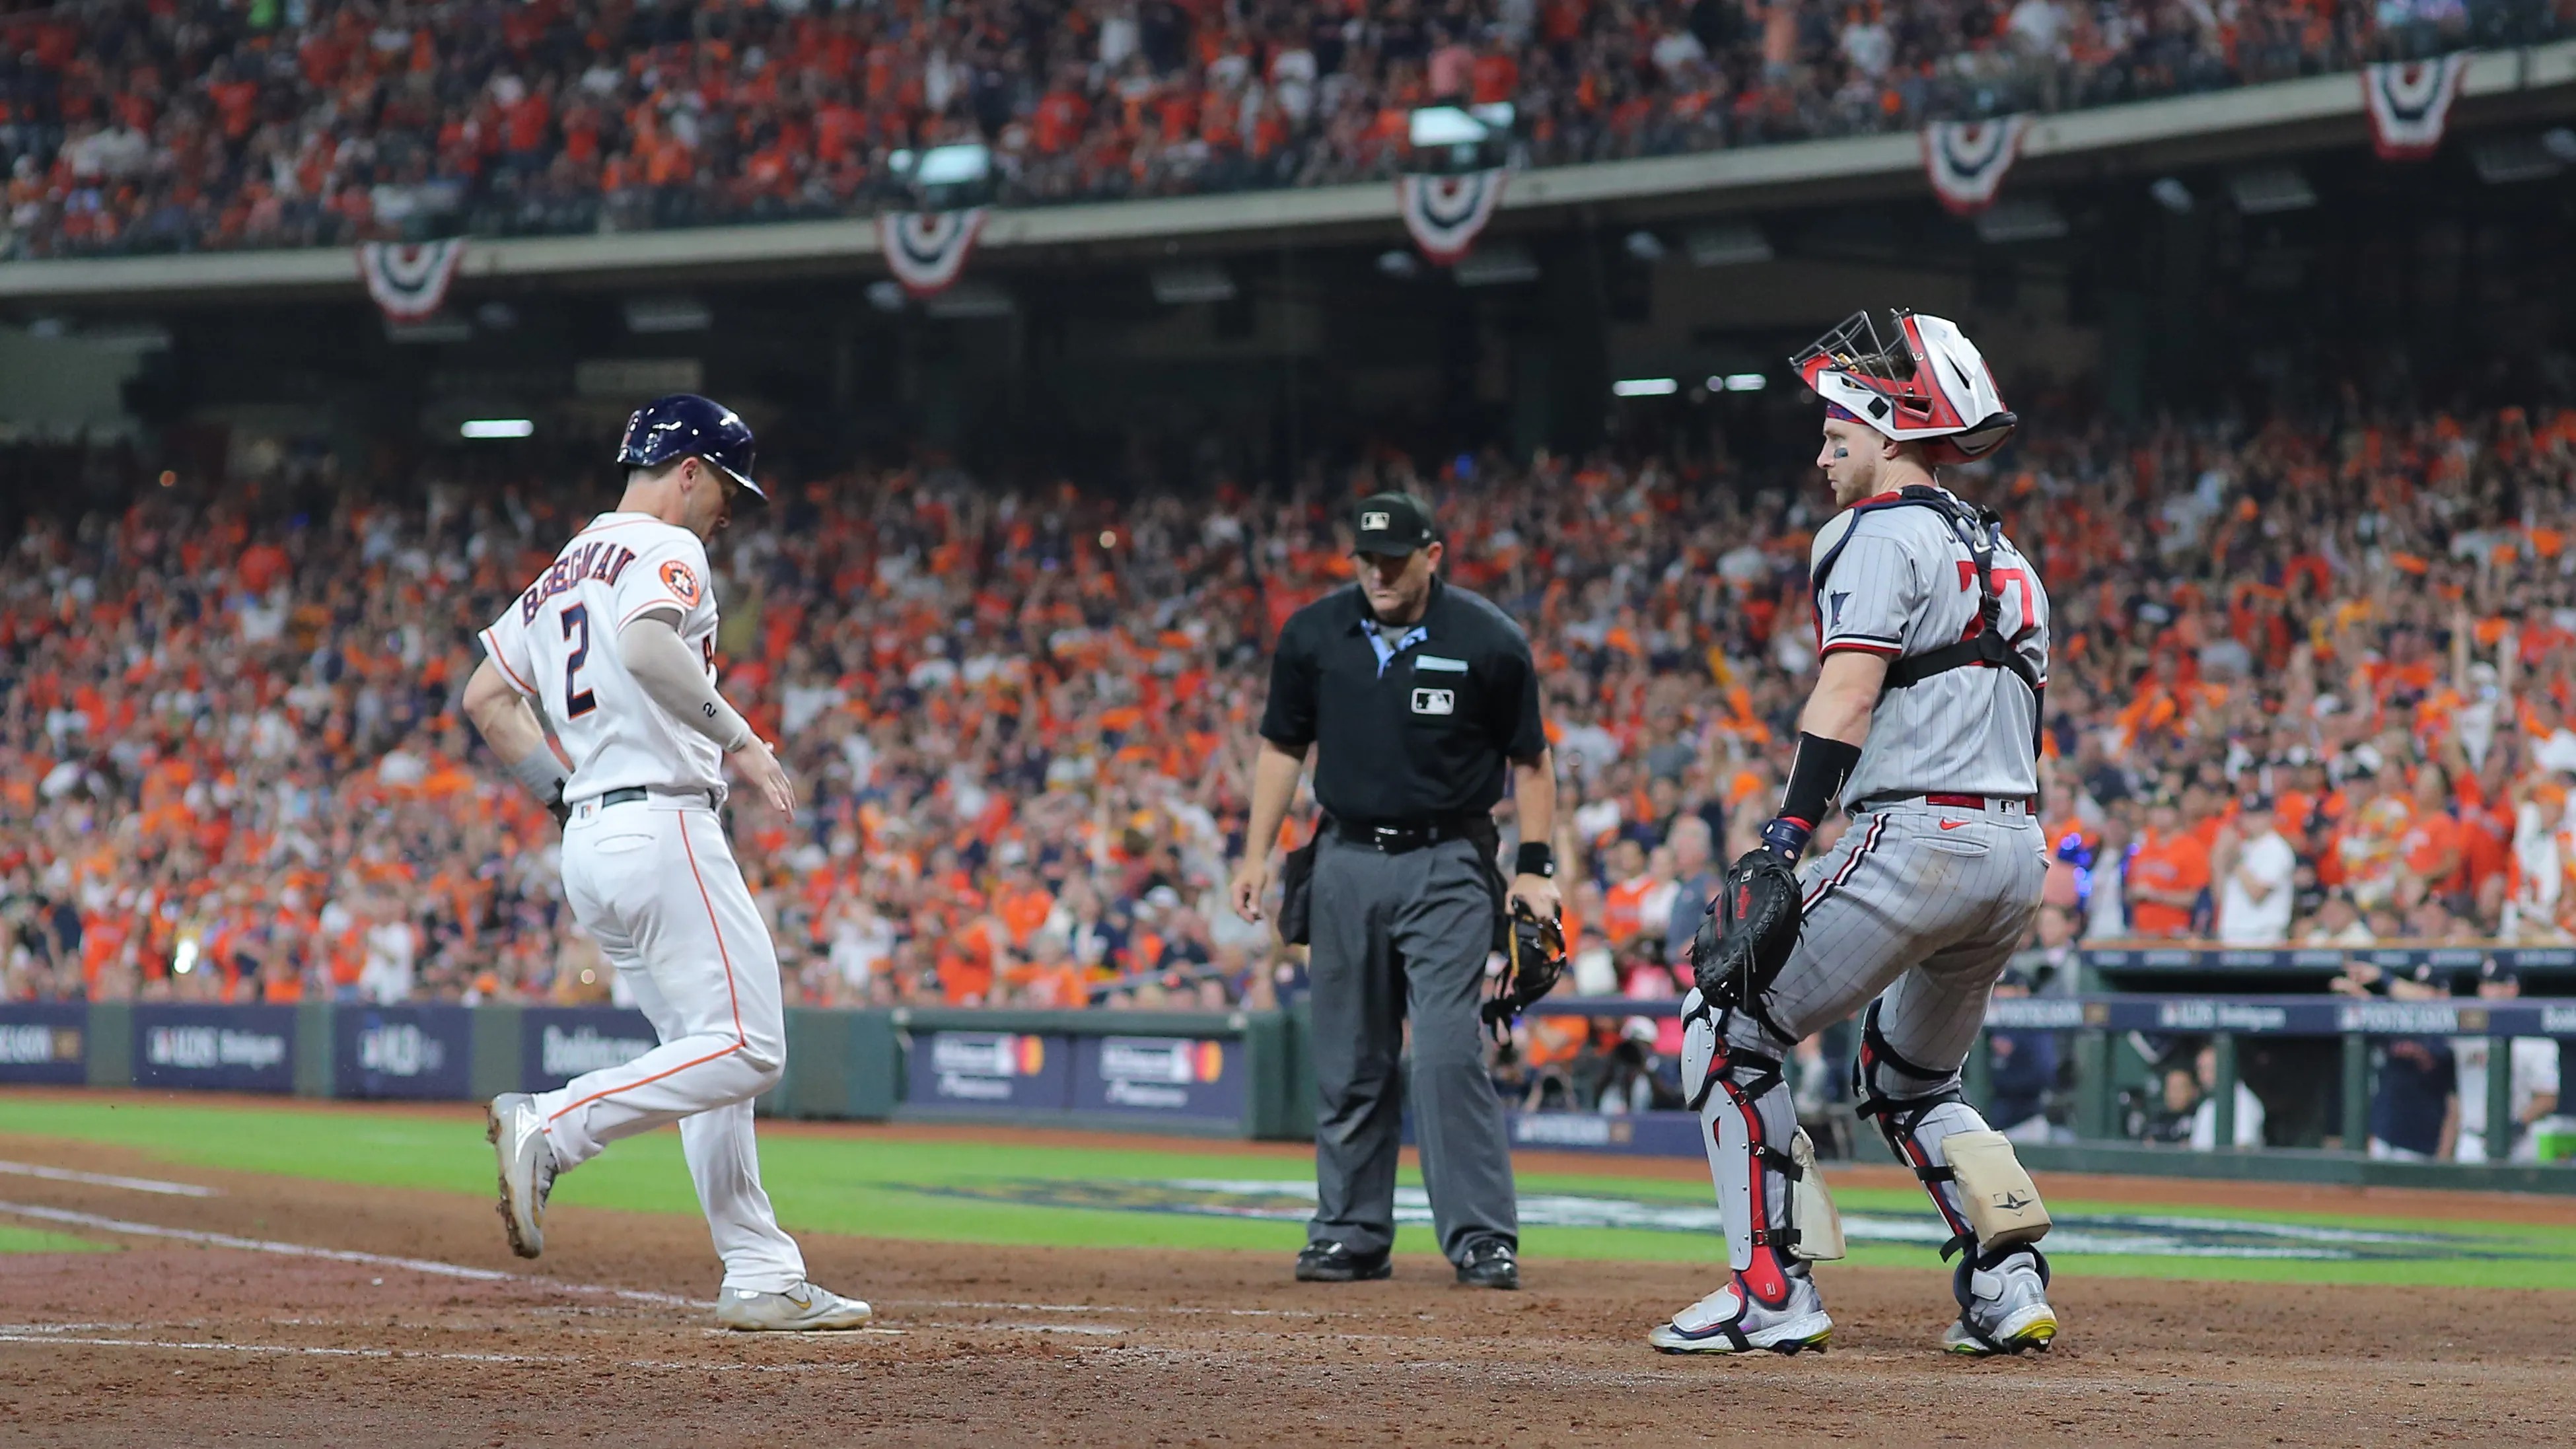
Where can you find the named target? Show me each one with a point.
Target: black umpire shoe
(1330, 1262)
(1490, 1265)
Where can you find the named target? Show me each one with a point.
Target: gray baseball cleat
(527, 1160)
(804, 1308)
(2003, 1304)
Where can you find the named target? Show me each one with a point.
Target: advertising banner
(559, 1043)
(991, 1071)
(401, 1051)
(215, 1048)
(44, 1041)
(1160, 1076)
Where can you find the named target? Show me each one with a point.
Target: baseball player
(616, 644)
(1924, 726)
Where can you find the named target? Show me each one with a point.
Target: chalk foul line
(108, 1179)
(430, 1266)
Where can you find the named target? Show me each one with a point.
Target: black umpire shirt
(1411, 732)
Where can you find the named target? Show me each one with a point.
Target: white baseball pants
(655, 883)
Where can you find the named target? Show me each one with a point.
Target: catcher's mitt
(1747, 934)
(1537, 960)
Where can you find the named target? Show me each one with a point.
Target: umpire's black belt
(634, 793)
(1397, 837)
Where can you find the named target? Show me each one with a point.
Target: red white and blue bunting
(927, 249)
(409, 280)
(1445, 213)
(2410, 104)
(1967, 160)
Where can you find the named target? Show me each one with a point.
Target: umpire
(1417, 698)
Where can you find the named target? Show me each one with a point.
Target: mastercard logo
(1210, 1061)
(1031, 1054)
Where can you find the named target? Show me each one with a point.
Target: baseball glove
(1747, 934)
(1537, 960)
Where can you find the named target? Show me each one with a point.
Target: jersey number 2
(577, 700)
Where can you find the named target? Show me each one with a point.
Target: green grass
(905, 1189)
(14, 1239)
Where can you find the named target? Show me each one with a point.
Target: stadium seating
(141, 126)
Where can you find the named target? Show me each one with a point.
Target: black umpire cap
(1394, 524)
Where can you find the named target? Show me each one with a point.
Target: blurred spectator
(2168, 869)
(2415, 1110)
(2533, 1094)
(2257, 868)
(2202, 1092)
(2023, 1071)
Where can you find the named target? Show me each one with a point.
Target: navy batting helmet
(686, 425)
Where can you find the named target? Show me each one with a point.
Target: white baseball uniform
(654, 881)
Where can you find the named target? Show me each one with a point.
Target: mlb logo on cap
(1392, 524)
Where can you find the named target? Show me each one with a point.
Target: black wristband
(1816, 776)
(1534, 858)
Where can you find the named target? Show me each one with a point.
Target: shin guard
(1749, 1126)
(1969, 1171)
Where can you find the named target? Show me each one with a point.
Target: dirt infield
(284, 1318)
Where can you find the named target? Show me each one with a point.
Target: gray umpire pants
(1921, 906)
(1394, 936)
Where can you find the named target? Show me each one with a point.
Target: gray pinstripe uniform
(1924, 903)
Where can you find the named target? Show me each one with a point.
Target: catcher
(1924, 726)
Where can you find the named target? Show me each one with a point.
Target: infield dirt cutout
(235, 1332)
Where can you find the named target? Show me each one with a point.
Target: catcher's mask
(1926, 383)
(1537, 959)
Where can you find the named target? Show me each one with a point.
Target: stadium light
(1742, 382)
(498, 428)
(1646, 387)
(1496, 264)
(2172, 195)
(2269, 190)
(1733, 245)
(1187, 282)
(184, 960)
(653, 315)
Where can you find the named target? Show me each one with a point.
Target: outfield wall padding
(1240, 1074)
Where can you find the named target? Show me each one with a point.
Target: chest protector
(1979, 531)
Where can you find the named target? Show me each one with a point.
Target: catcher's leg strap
(1970, 1171)
(1760, 1162)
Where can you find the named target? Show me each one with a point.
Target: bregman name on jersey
(602, 561)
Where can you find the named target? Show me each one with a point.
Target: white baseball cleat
(804, 1308)
(2002, 1309)
(518, 1138)
(1733, 1321)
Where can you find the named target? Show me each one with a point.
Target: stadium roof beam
(2158, 136)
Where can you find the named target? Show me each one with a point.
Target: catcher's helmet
(1927, 385)
(686, 425)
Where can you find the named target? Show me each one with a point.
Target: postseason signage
(990, 1070)
(1159, 1076)
(219, 1048)
(401, 1051)
(44, 1041)
(559, 1043)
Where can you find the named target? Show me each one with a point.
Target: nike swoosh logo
(1952, 824)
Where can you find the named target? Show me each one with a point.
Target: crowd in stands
(2313, 681)
(132, 126)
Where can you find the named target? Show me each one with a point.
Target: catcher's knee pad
(1970, 1171)
(1777, 1211)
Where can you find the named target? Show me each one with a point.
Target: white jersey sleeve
(506, 644)
(668, 573)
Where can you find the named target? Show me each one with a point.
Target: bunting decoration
(409, 280)
(927, 249)
(1967, 160)
(2410, 103)
(1445, 213)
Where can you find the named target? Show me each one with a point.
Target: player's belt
(1397, 837)
(633, 793)
(2002, 804)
